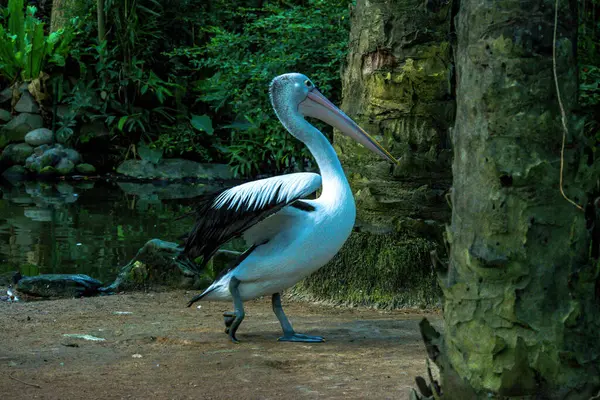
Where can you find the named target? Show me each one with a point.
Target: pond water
(91, 228)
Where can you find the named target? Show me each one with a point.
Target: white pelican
(289, 238)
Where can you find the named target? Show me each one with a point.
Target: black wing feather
(218, 221)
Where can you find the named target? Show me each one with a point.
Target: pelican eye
(308, 83)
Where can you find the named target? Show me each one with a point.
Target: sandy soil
(166, 351)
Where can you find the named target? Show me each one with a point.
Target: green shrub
(24, 48)
(240, 61)
(116, 79)
(588, 53)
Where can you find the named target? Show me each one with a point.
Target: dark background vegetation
(189, 77)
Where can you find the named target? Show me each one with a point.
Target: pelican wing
(226, 214)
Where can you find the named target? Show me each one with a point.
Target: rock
(16, 153)
(33, 164)
(149, 191)
(59, 285)
(39, 136)
(5, 95)
(159, 264)
(57, 157)
(15, 173)
(24, 87)
(85, 169)
(38, 151)
(20, 125)
(65, 166)
(160, 258)
(27, 104)
(5, 116)
(174, 168)
(52, 156)
(73, 155)
(48, 171)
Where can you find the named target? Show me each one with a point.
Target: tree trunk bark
(522, 292)
(63, 11)
(101, 20)
(398, 85)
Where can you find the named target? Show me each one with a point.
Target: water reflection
(91, 228)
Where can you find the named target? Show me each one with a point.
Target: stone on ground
(40, 136)
(73, 155)
(84, 168)
(65, 166)
(20, 125)
(5, 116)
(27, 104)
(16, 153)
(15, 173)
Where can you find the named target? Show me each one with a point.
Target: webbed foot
(298, 337)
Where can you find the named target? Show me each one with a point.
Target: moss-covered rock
(20, 125)
(47, 171)
(65, 166)
(382, 270)
(15, 173)
(160, 264)
(85, 169)
(16, 153)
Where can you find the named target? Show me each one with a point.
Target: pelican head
(294, 95)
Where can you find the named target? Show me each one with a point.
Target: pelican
(289, 236)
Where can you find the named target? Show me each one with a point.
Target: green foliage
(151, 154)
(24, 48)
(589, 86)
(588, 52)
(240, 61)
(187, 77)
(202, 123)
(115, 84)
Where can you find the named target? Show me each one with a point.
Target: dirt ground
(163, 350)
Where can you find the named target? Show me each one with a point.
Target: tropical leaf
(16, 22)
(202, 123)
(122, 122)
(147, 154)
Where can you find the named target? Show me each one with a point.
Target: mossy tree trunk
(63, 10)
(522, 292)
(398, 85)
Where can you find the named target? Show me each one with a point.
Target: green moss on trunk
(521, 307)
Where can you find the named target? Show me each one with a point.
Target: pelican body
(290, 236)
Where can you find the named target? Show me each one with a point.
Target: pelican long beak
(318, 106)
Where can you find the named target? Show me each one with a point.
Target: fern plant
(25, 49)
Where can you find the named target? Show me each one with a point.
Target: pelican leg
(238, 307)
(228, 317)
(288, 332)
